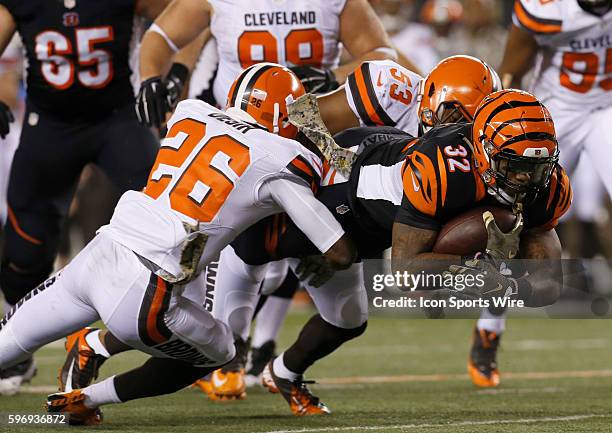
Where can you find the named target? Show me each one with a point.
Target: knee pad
(17, 283)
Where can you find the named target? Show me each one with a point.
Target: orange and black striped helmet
(515, 145)
(263, 91)
(453, 89)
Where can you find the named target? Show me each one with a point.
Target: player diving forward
(402, 190)
(216, 174)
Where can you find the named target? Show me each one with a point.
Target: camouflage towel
(304, 114)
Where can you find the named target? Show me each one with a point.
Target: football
(466, 234)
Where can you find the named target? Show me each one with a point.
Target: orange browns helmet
(453, 89)
(263, 91)
(515, 145)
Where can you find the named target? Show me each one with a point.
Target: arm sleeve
(381, 93)
(308, 213)
(537, 18)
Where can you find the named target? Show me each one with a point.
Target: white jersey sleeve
(308, 213)
(384, 93)
(538, 18)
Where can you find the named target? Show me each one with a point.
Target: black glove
(6, 117)
(490, 279)
(318, 267)
(316, 80)
(175, 82)
(152, 102)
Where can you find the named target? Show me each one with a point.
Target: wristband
(179, 71)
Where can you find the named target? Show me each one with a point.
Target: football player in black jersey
(79, 110)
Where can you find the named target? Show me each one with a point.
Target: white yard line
(447, 425)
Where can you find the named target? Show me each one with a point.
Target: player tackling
(216, 174)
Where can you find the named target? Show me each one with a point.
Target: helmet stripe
(244, 85)
(530, 136)
(509, 105)
(510, 122)
(247, 85)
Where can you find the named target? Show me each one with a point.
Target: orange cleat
(482, 363)
(73, 403)
(228, 385)
(300, 399)
(82, 363)
(206, 387)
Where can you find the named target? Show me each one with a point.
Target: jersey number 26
(197, 184)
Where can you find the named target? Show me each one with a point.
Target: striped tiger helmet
(263, 91)
(453, 89)
(515, 147)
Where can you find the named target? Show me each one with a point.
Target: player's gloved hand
(316, 80)
(152, 102)
(6, 117)
(175, 83)
(490, 280)
(317, 267)
(500, 245)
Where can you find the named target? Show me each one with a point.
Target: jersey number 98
(301, 47)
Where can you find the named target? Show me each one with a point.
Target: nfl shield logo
(69, 4)
(538, 152)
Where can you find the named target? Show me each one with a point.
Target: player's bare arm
(7, 28)
(542, 249)
(519, 57)
(366, 41)
(412, 250)
(179, 24)
(336, 112)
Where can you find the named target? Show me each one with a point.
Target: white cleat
(12, 378)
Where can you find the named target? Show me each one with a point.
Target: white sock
(101, 393)
(269, 320)
(281, 371)
(93, 339)
(490, 322)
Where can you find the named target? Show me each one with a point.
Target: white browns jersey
(206, 179)
(382, 92)
(575, 59)
(289, 32)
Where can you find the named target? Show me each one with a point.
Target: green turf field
(402, 375)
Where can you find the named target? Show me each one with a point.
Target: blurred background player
(569, 45)
(11, 114)
(303, 35)
(79, 109)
